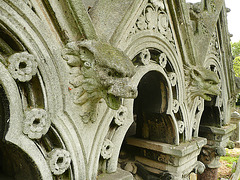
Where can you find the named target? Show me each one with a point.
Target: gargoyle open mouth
(113, 102)
(207, 97)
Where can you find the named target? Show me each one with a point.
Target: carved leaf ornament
(154, 17)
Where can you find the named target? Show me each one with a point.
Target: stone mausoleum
(114, 89)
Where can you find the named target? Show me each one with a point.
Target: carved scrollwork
(59, 161)
(36, 123)
(107, 149)
(154, 17)
(199, 167)
(172, 78)
(22, 66)
(194, 124)
(214, 46)
(181, 126)
(175, 106)
(98, 70)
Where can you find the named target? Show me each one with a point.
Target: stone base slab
(119, 175)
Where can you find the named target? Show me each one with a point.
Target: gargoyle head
(99, 71)
(202, 82)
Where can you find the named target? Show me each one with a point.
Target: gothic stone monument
(114, 89)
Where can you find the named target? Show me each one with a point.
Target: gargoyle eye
(87, 64)
(211, 82)
(117, 74)
(110, 73)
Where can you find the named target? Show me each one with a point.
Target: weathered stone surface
(69, 73)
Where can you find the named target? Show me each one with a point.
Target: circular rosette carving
(175, 107)
(107, 149)
(180, 126)
(145, 56)
(22, 66)
(172, 78)
(163, 60)
(120, 116)
(36, 123)
(59, 161)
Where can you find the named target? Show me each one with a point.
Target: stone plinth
(217, 136)
(235, 119)
(119, 175)
(217, 139)
(156, 157)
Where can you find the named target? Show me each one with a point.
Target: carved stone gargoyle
(201, 82)
(98, 70)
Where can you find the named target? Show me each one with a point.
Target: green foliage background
(236, 54)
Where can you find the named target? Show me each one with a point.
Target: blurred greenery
(236, 54)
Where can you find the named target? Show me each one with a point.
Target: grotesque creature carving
(98, 70)
(201, 82)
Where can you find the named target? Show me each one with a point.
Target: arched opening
(14, 163)
(150, 108)
(211, 114)
(152, 125)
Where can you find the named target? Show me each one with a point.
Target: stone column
(235, 119)
(210, 157)
(217, 139)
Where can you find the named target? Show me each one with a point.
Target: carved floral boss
(98, 70)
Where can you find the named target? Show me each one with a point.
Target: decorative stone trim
(199, 167)
(22, 66)
(180, 126)
(36, 123)
(59, 161)
(154, 17)
(145, 56)
(194, 124)
(107, 149)
(172, 78)
(163, 60)
(175, 106)
(120, 116)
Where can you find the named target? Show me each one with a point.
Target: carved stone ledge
(179, 161)
(217, 136)
(119, 174)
